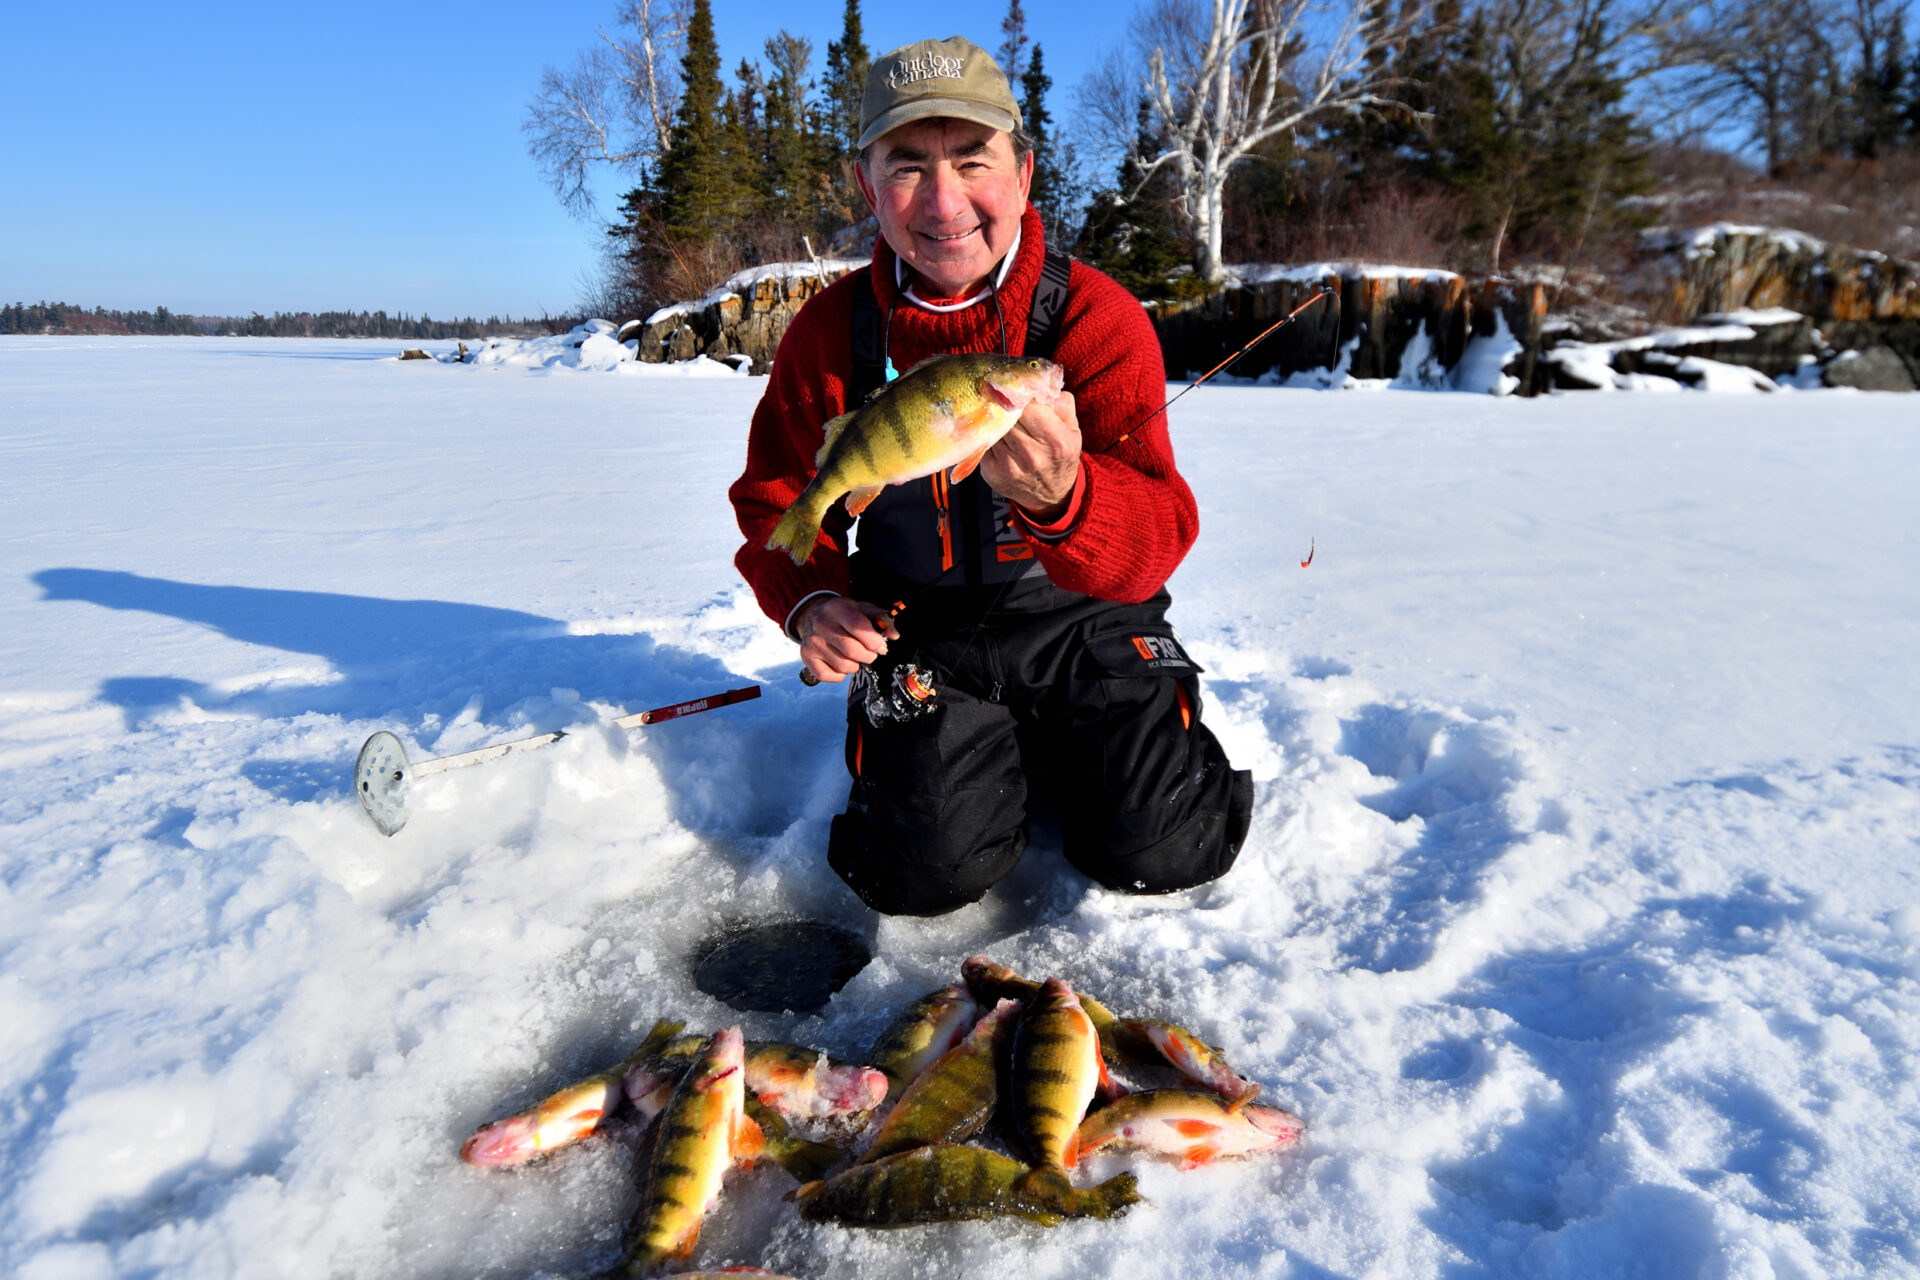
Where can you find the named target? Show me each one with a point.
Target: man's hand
(1036, 463)
(838, 636)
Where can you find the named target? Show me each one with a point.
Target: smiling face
(948, 195)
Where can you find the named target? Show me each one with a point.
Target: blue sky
(220, 158)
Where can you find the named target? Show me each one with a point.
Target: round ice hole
(779, 966)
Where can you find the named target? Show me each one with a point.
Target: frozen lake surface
(1580, 918)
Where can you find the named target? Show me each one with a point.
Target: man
(1034, 589)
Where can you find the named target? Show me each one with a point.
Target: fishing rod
(882, 620)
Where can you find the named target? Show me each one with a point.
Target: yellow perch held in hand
(946, 411)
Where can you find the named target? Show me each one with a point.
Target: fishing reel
(908, 695)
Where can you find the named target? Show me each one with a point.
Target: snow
(1580, 918)
(1718, 375)
(1698, 240)
(1756, 316)
(590, 348)
(1252, 273)
(1483, 365)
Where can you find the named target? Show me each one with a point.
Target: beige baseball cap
(951, 77)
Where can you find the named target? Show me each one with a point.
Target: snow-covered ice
(1580, 918)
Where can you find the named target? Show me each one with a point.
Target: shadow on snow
(420, 664)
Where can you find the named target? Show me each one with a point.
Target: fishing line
(883, 620)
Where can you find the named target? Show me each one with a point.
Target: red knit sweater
(1134, 517)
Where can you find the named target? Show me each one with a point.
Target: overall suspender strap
(869, 360)
(967, 526)
(869, 344)
(1049, 304)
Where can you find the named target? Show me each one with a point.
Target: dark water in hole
(784, 966)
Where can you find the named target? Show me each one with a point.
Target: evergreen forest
(1486, 136)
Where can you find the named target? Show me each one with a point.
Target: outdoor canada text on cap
(952, 77)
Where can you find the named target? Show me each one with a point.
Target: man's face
(948, 195)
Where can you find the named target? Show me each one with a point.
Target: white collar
(999, 278)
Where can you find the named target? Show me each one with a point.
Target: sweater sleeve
(1136, 517)
(805, 389)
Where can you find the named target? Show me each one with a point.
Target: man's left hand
(1036, 463)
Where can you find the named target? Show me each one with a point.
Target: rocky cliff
(1757, 298)
(1853, 300)
(1371, 319)
(744, 317)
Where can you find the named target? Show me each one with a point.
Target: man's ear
(866, 185)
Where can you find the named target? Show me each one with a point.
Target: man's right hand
(838, 636)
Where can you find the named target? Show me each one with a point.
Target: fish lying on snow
(948, 1071)
(700, 1135)
(1138, 1042)
(799, 1083)
(1056, 1069)
(1194, 1126)
(944, 412)
(951, 1100)
(563, 1117)
(650, 1088)
(951, 1183)
(924, 1030)
(990, 982)
(1195, 1059)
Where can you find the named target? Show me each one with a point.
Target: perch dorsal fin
(833, 428)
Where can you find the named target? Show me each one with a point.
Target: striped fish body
(951, 1100)
(563, 1117)
(990, 982)
(924, 1031)
(951, 1183)
(1193, 1126)
(1056, 1070)
(1195, 1059)
(696, 1139)
(943, 413)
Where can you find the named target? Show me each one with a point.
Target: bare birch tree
(614, 106)
(1226, 76)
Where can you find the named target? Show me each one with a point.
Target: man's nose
(947, 195)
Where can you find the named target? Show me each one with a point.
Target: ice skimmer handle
(382, 775)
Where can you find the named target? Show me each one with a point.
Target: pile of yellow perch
(1036, 1054)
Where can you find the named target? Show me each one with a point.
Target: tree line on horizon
(60, 317)
(1477, 135)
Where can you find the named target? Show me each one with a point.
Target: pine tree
(1881, 94)
(1013, 42)
(1049, 193)
(846, 79)
(795, 154)
(698, 179)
